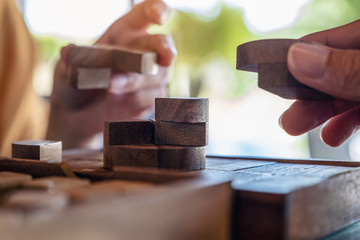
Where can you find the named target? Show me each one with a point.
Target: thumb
(333, 71)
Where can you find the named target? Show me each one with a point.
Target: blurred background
(243, 118)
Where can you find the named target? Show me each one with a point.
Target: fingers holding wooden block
(185, 110)
(49, 151)
(89, 78)
(118, 59)
(183, 134)
(268, 57)
(154, 156)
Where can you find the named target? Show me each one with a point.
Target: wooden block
(268, 57)
(31, 200)
(12, 180)
(105, 189)
(129, 132)
(89, 78)
(184, 134)
(156, 156)
(49, 151)
(106, 56)
(56, 183)
(186, 110)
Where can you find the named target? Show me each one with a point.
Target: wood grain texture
(12, 180)
(268, 57)
(118, 59)
(156, 156)
(49, 151)
(89, 78)
(55, 183)
(182, 134)
(185, 110)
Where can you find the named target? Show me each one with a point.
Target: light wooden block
(12, 180)
(49, 151)
(184, 134)
(186, 110)
(89, 78)
(118, 59)
(156, 156)
(56, 183)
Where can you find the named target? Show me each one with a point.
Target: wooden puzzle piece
(156, 156)
(32, 200)
(89, 78)
(118, 59)
(269, 58)
(12, 180)
(109, 188)
(183, 134)
(49, 151)
(54, 183)
(185, 110)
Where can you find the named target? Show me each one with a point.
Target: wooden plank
(55, 183)
(185, 110)
(11, 180)
(156, 156)
(49, 151)
(183, 134)
(118, 59)
(156, 215)
(89, 78)
(268, 57)
(233, 164)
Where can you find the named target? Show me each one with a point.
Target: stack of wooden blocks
(176, 139)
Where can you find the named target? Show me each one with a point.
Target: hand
(77, 116)
(333, 68)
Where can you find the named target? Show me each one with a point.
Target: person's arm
(78, 116)
(333, 68)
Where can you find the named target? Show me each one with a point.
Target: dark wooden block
(129, 132)
(184, 134)
(118, 59)
(186, 110)
(155, 156)
(50, 151)
(268, 57)
(89, 78)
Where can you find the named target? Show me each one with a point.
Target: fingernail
(160, 11)
(308, 60)
(280, 121)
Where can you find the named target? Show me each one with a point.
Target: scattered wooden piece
(11, 180)
(106, 56)
(183, 134)
(106, 189)
(186, 110)
(54, 183)
(49, 151)
(89, 78)
(31, 200)
(156, 156)
(268, 57)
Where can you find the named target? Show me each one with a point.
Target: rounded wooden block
(250, 54)
(56, 183)
(156, 156)
(11, 179)
(186, 110)
(276, 79)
